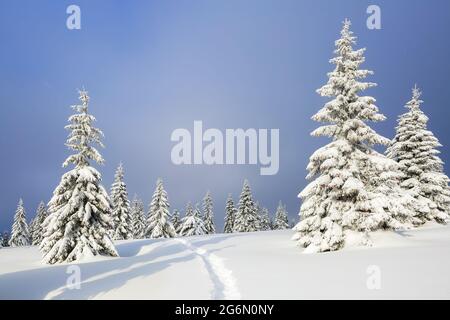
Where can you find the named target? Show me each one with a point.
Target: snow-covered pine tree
(272, 223)
(230, 214)
(37, 232)
(79, 211)
(20, 235)
(158, 218)
(208, 214)
(264, 219)
(414, 147)
(258, 215)
(281, 217)
(192, 224)
(246, 216)
(176, 220)
(5, 239)
(120, 204)
(356, 188)
(138, 219)
(31, 227)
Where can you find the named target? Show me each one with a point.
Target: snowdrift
(260, 265)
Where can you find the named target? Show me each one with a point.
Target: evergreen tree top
(83, 135)
(118, 176)
(159, 198)
(416, 93)
(207, 202)
(348, 111)
(189, 209)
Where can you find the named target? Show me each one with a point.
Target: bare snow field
(262, 265)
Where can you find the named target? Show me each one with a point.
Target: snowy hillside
(260, 265)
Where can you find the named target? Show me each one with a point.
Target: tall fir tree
(36, 229)
(355, 188)
(192, 224)
(208, 214)
(158, 220)
(246, 216)
(79, 211)
(230, 215)
(139, 223)
(176, 220)
(123, 228)
(281, 217)
(20, 235)
(414, 147)
(264, 219)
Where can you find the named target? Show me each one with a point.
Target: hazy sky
(154, 66)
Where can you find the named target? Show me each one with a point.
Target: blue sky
(155, 66)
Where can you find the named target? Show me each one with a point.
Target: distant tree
(5, 239)
(20, 235)
(208, 214)
(281, 218)
(123, 228)
(36, 229)
(158, 221)
(264, 219)
(259, 209)
(192, 224)
(176, 220)
(247, 216)
(138, 219)
(230, 215)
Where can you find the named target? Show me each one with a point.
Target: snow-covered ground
(261, 265)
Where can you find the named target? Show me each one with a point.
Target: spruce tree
(272, 223)
(414, 147)
(5, 239)
(192, 224)
(176, 220)
(158, 221)
(355, 188)
(20, 235)
(259, 209)
(264, 219)
(208, 214)
(230, 215)
(120, 204)
(79, 211)
(246, 216)
(37, 232)
(138, 218)
(281, 218)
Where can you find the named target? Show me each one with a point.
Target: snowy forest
(82, 219)
(355, 190)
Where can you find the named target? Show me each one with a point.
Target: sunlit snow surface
(263, 265)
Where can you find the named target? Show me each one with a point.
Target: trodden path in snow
(224, 284)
